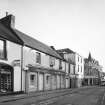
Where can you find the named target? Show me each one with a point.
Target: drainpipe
(21, 65)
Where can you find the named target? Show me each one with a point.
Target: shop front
(6, 78)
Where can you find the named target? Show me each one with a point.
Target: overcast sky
(75, 24)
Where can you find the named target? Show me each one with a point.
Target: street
(93, 96)
(80, 96)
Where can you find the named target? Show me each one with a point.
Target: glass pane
(32, 79)
(1, 49)
(38, 58)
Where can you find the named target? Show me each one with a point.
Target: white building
(76, 65)
(27, 64)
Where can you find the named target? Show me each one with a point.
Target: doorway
(6, 79)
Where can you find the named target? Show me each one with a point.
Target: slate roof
(7, 33)
(14, 35)
(35, 44)
(67, 50)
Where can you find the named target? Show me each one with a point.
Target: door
(41, 79)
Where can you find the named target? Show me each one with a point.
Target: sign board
(16, 63)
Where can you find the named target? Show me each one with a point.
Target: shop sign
(16, 63)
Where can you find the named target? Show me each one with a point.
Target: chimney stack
(52, 47)
(12, 23)
(6, 13)
(9, 20)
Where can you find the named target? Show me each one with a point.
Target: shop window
(3, 53)
(38, 57)
(32, 79)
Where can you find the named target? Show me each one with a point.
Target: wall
(72, 69)
(63, 66)
(14, 54)
(79, 64)
(67, 67)
(29, 57)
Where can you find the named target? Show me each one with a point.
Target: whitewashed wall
(29, 57)
(81, 65)
(56, 66)
(67, 67)
(14, 53)
(63, 66)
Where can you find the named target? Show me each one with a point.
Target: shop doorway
(6, 78)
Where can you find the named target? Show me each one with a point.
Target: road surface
(94, 95)
(90, 96)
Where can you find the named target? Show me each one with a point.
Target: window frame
(38, 57)
(78, 68)
(4, 49)
(32, 81)
(51, 61)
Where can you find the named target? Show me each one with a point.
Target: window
(60, 64)
(78, 59)
(81, 60)
(3, 53)
(32, 79)
(52, 61)
(78, 68)
(47, 79)
(38, 57)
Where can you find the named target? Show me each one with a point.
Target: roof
(35, 44)
(14, 35)
(6, 33)
(67, 50)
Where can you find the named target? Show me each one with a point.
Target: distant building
(92, 71)
(76, 66)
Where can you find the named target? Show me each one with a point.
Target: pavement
(47, 97)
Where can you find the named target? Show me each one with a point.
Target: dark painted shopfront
(6, 78)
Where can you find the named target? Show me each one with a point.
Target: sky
(75, 24)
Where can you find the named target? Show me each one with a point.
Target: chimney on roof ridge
(9, 20)
(52, 47)
(6, 13)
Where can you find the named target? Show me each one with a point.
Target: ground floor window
(47, 79)
(32, 79)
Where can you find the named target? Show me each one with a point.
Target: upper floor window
(78, 58)
(3, 53)
(81, 60)
(38, 57)
(78, 68)
(52, 61)
(60, 64)
(81, 68)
